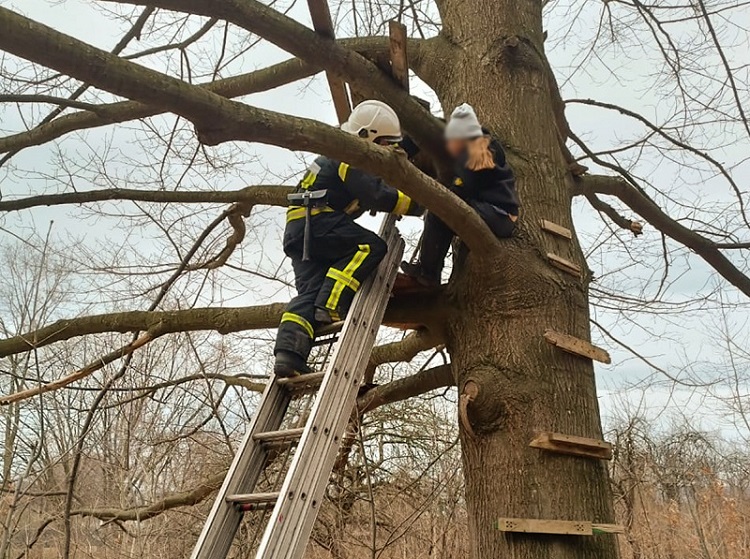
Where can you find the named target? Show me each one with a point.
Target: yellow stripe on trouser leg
(402, 205)
(297, 319)
(345, 281)
(339, 276)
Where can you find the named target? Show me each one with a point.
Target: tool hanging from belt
(308, 199)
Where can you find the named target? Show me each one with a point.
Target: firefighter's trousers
(343, 254)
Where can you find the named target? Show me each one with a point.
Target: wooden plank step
(301, 382)
(577, 346)
(565, 265)
(608, 528)
(562, 527)
(283, 435)
(555, 229)
(573, 445)
(532, 526)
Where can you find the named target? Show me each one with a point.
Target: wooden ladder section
(284, 463)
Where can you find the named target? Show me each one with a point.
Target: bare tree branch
(265, 195)
(146, 512)
(133, 33)
(305, 43)
(89, 369)
(409, 387)
(674, 141)
(223, 320)
(636, 227)
(48, 99)
(237, 86)
(653, 214)
(403, 350)
(218, 119)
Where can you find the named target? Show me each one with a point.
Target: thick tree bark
(503, 308)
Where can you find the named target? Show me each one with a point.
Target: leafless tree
(150, 327)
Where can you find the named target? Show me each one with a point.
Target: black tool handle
(308, 234)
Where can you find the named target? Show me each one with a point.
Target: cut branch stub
(577, 346)
(468, 395)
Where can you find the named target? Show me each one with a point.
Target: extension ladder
(283, 486)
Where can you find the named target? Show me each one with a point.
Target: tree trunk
(493, 58)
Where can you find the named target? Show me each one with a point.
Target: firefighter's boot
(289, 364)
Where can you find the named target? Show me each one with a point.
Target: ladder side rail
(224, 519)
(294, 514)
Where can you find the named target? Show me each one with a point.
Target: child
(482, 179)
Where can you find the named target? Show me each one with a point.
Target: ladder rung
(325, 341)
(301, 381)
(274, 436)
(253, 499)
(255, 507)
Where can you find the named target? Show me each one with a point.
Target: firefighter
(341, 253)
(483, 179)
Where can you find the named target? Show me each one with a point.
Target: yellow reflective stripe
(343, 170)
(297, 319)
(348, 271)
(308, 180)
(338, 275)
(402, 205)
(298, 212)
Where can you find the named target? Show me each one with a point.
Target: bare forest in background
(141, 275)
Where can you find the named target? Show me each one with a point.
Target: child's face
(455, 147)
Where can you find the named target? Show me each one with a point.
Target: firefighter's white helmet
(373, 120)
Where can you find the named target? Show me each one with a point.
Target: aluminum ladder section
(295, 506)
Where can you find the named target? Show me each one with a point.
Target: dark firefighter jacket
(350, 192)
(496, 186)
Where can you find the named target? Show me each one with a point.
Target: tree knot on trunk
(516, 51)
(481, 409)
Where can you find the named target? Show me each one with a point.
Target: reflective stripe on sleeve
(343, 170)
(402, 204)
